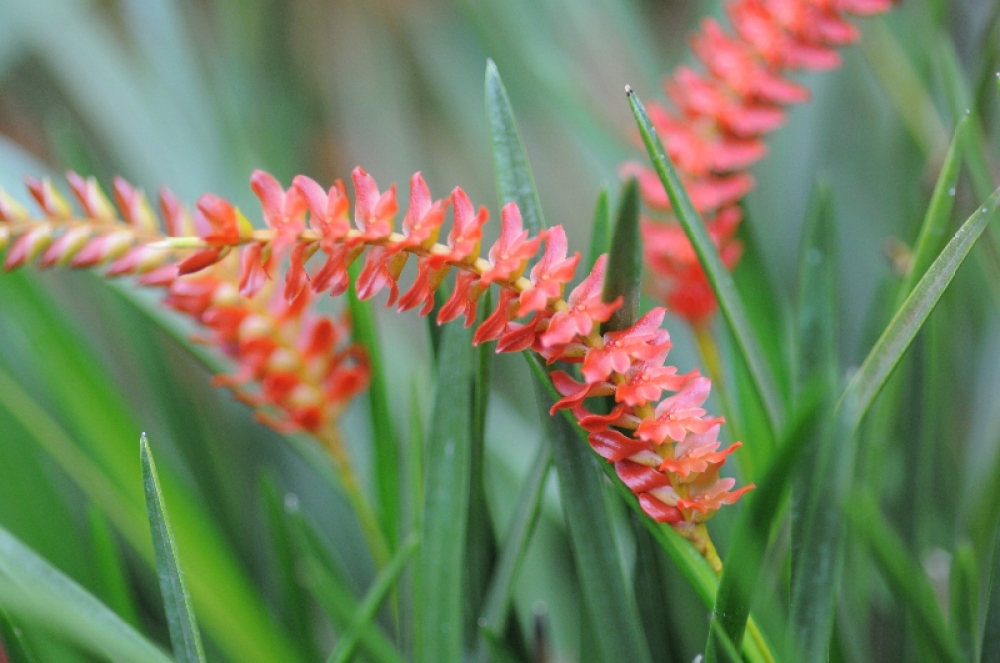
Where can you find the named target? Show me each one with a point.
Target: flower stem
(370, 527)
(709, 350)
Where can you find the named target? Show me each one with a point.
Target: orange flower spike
(646, 380)
(92, 199)
(585, 307)
(466, 232)
(284, 212)
(550, 274)
(643, 341)
(327, 209)
(135, 208)
(512, 251)
(696, 453)
(422, 223)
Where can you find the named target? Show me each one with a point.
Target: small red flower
(511, 253)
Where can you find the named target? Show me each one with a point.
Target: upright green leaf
(600, 229)
(515, 182)
(817, 364)
(606, 596)
(386, 457)
(889, 349)
(906, 578)
(110, 567)
(991, 632)
(11, 642)
(722, 282)
(964, 613)
(439, 616)
(347, 643)
(623, 277)
(33, 591)
(184, 634)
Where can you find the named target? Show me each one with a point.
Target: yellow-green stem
(709, 351)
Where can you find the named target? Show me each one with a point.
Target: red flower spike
(585, 308)
(642, 341)
(658, 511)
(550, 274)
(422, 291)
(512, 251)
(373, 211)
(48, 198)
(463, 300)
(382, 268)
(575, 392)
(134, 206)
(220, 220)
(176, 219)
(495, 325)
(645, 381)
(253, 271)
(284, 212)
(614, 446)
(327, 209)
(92, 199)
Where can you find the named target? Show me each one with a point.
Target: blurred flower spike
(715, 132)
(666, 450)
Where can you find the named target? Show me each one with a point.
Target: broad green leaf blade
(386, 458)
(35, 592)
(623, 277)
(184, 634)
(609, 602)
(110, 567)
(722, 282)
(11, 642)
(991, 633)
(749, 537)
(439, 617)
(906, 578)
(515, 182)
(515, 544)
(932, 231)
(600, 229)
(889, 349)
(347, 643)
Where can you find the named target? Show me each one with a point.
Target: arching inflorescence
(715, 132)
(666, 451)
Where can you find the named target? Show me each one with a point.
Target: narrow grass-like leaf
(964, 613)
(934, 227)
(600, 229)
(905, 577)
(386, 457)
(110, 568)
(331, 590)
(515, 182)
(749, 537)
(610, 605)
(990, 646)
(347, 643)
(722, 282)
(652, 597)
(35, 592)
(816, 339)
(515, 544)
(889, 349)
(623, 277)
(184, 634)
(11, 642)
(481, 552)
(445, 505)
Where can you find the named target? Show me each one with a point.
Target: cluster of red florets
(296, 368)
(672, 458)
(716, 131)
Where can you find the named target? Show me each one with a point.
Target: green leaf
(110, 567)
(386, 458)
(11, 642)
(331, 590)
(347, 643)
(510, 162)
(991, 632)
(722, 282)
(515, 544)
(964, 613)
(611, 605)
(35, 592)
(623, 277)
(600, 229)
(184, 635)
(889, 349)
(760, 510)
(934, 227)
(439, 617)
(906, 578)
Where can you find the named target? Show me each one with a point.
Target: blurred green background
(194, 95)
